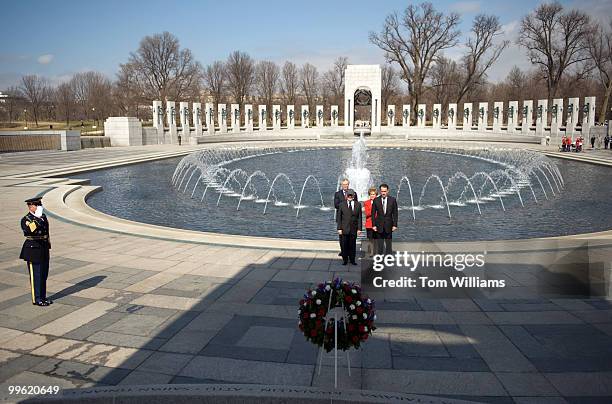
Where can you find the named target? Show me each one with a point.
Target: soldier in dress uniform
(35, 250)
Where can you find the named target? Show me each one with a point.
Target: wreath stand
(335, 314)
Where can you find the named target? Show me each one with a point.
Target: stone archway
(359, 80)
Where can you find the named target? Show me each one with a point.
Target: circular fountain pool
(444, 194)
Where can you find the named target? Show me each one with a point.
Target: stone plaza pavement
(135, 310)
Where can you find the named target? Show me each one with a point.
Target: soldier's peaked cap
(34, 201)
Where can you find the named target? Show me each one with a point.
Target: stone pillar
(235, 118)
(171, 137)
(452, 116)
(556, 116)
(222, 117)
(290, 116)
(527, 117)
(436, 115)
(405, 116)
(262, 116)
(197, 118)
(421, 115)
(512, 116)
(158, 115)
(588, 117)
(573, 108)
(390, 116)
(122, 131)
(305, 116)
(277, 117)
(483, 116)
(541, 117)
(320, 116)
(334, 116)
(467, 116)
(210, 118)
(349, 115)
(184, 114)
(498, 116)
(248, 117)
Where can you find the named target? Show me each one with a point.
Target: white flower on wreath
(353, 291)
(318, 301)
(354, 317)
(358, 302)
(365, 328)
(365, 316)
(312, 315)
(328, 288)
(314, 292)
(352, 307)
(369, 301)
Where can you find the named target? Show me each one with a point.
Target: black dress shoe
(345, 263)
(48, 301)
(40, 303)
(353, 263)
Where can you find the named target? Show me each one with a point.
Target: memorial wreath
(359, 315)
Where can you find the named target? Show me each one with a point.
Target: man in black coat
(384, 214)
(349, 227)
(35, 250)
(340, 197)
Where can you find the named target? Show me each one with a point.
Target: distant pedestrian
(606, 141)
(593, 142)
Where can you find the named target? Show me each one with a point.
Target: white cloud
(45, 59)
(466, 7)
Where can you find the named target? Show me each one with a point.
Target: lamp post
(93, 113)
(25, 119)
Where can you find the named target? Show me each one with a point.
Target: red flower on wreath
(313, 333)
(359, 310)
(348, 299)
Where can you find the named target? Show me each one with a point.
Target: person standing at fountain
(349, 226)
(367, 207)
(340, 197)
(385, 215)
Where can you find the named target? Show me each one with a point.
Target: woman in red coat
(367, 207)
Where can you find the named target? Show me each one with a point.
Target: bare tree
(482, 52)
(334, 80)
(388, 87)
(600, 52)
(164, 70)
(308, 83)
(35, 92)
(267, 74)
(414, 40)
(92, 92)
(64, 96)
(289, 84)
(444, 78)
(12, 101)
(555, 41)
(214, 77)
(240, 69)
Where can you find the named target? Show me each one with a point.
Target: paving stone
(132, 341)
(16, 364)
(188, 342)
(98, 324)
(422, 342)
(526, 384)
(136, 324)
(164, 362)
(575, 384)
(433, 382)
(243, 371)
(80, 371)
(76, 319)
(446, 364)
(497, 351)
(267, 337)
(140, 378)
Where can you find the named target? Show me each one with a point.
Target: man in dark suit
(35, 250)
(384, 213)
(340, 197)
(349, 226)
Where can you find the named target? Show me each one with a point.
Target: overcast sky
(59, 38)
